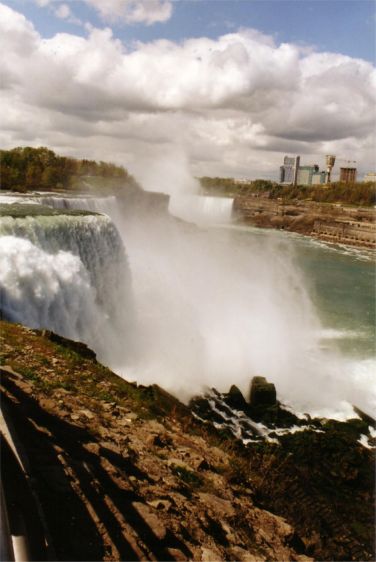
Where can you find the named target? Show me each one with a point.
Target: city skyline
(173, 90)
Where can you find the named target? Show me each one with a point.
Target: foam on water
(68, 274)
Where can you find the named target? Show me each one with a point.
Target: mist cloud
(234, 104)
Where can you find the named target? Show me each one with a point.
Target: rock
(218, 505)
(176, 554)
(262, 393)
(209, 555)
(92, 447)
(242, 555)
(235, 398)
(78, 347)
(160, 504)
(155, 524)
(173, 462)
(87, 414)
(158, 441)
(47, 404)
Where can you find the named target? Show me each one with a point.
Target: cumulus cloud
(145, 12)
(133, 11)
(234, 104)
(64, 12)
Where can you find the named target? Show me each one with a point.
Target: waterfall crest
(68, 274)
(201, 209)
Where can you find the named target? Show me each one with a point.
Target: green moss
(28, 373)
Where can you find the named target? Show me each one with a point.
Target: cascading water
(201, 209)
(216, 307)
(68, 274)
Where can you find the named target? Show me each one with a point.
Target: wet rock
(78, 347)
(235, 398)
(262, 393)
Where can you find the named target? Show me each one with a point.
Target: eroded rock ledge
(330, 222)
(126, 472)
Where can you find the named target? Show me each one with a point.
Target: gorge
(192, 308)
(189, 308)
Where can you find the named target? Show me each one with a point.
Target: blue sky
(237, 85)
(345, 26)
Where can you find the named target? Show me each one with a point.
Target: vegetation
(26, 169)
(230, 187)
(337, 192)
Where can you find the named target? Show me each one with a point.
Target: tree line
(357, 193)
(26, 168)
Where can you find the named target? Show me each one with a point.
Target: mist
(216, 306)
(195, 305)
(166, 169)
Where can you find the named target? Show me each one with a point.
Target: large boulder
(262, 393)
(235, 398)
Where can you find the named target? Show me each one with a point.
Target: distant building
(330, 160)
(319, 178)
(347, 175)
(310, 175)
(292, 173)
(289, 171)
(370, 176)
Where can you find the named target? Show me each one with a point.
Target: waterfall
(68, 274)
(202, 209)
(214, 306)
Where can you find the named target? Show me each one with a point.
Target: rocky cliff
(332, 222)
(125, 472)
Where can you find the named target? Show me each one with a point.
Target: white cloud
(235, 104)
(133, 11)
(64, 12)
(145, 12)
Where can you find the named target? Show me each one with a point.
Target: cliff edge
(126, 472)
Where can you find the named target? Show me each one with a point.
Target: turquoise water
(342, 286)
(341, 282)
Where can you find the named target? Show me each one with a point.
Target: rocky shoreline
(353, 226)
(137, 475)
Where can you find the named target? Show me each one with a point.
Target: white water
(68, 274)
(201, 209)
(214, 310)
